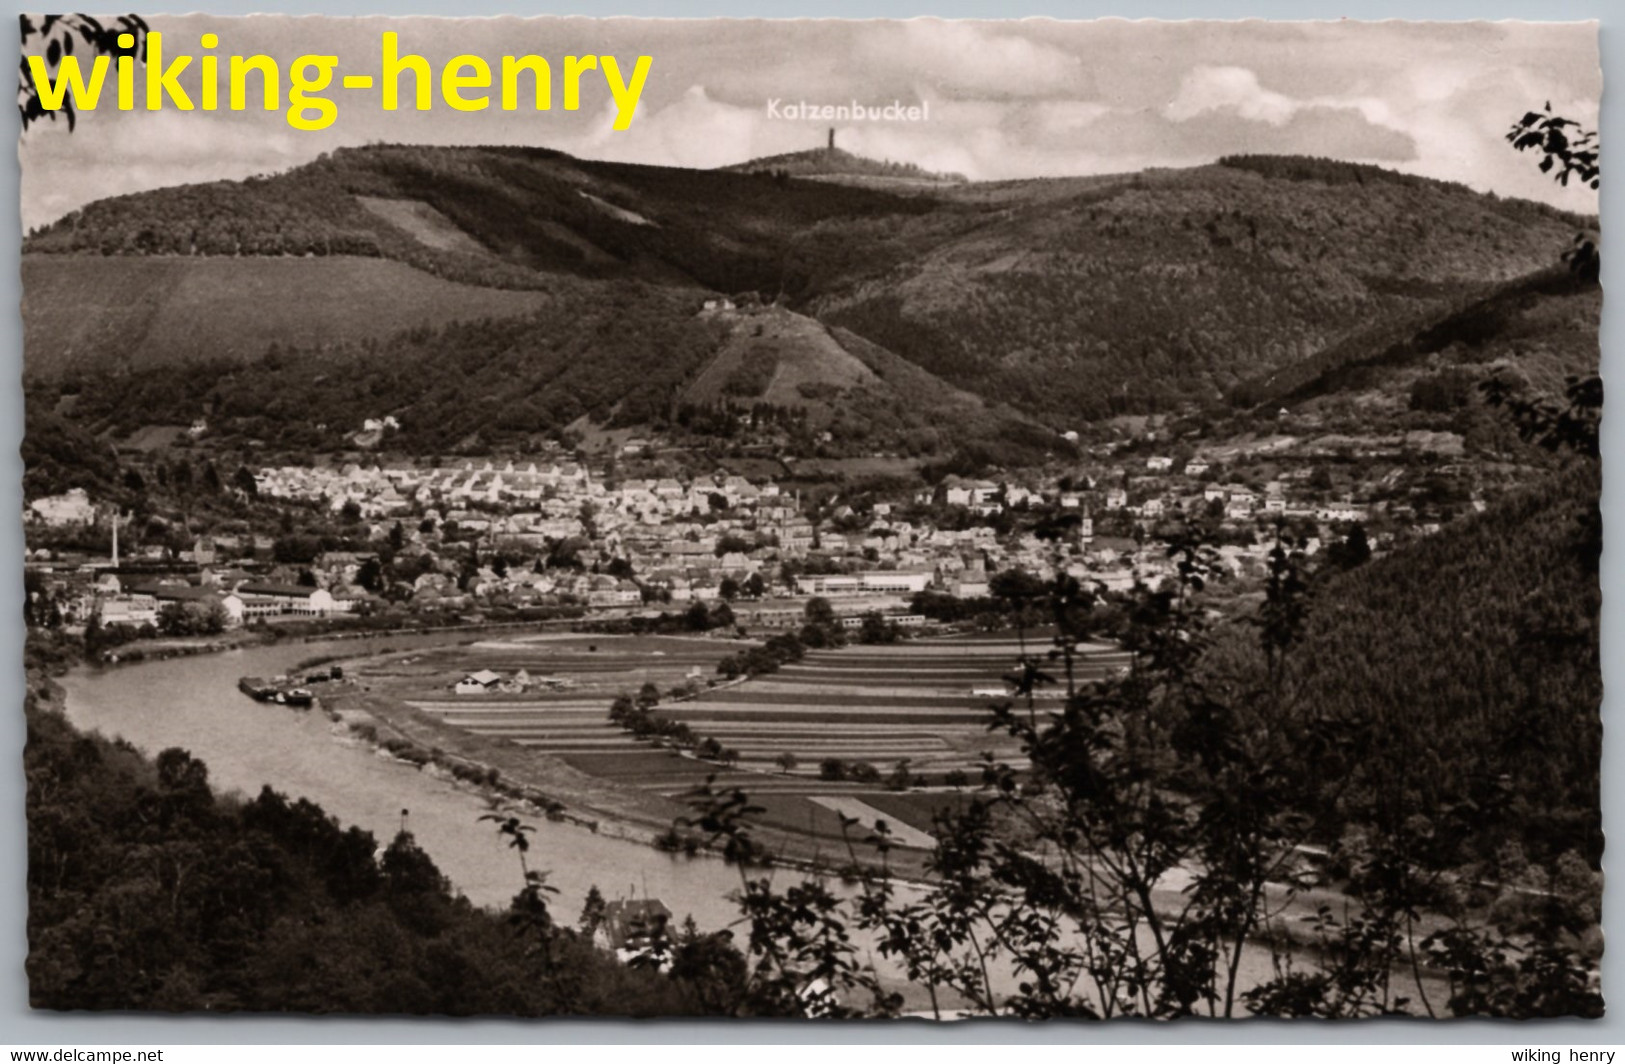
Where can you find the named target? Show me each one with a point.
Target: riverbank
(506, 770)
(134, 653)
(606, 840)
(497, 770)
(511, 772)
(503, 769)
(645, 818)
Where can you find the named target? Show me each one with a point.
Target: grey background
(20, 1026)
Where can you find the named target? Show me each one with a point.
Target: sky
(1014, 99)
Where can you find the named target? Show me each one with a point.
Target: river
(193, 703)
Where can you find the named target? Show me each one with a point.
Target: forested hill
(835, 164)
(1476, 326)
(497, 217)
(1172, 287)
(619, 353)
(1069, 298)
(1470, 662)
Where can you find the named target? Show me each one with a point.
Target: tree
(244, 481)
(697, 617)
(823, 628)
(94, 636)
(593, 912)
(863, 772)
(52, 38)
(1193, 760)
(296, 549)
(787, 762)
(819, 612)
(876, 629)
(1565, 148)
(1016, 587)
(731, 543)
(1352, 551)
(192, 618)
(712, 967)
(370, 575)
(721, 616)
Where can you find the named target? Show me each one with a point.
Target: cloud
(1210, 88)
(1224, 109)
(1064, 117)
(978, 60)
(699, 131)
(1008, 99)
(115, 152)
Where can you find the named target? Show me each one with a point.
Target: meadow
(168, 309)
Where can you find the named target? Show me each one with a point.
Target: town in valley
(470, 578)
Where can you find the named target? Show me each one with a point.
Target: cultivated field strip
(922, 699)
(921, 703)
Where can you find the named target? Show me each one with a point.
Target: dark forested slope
(1171, 287)
(1469, 664)
(625, 353)
(1069, 298)
(835, 164)
(521, 213)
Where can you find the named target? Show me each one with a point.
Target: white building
(72, 507)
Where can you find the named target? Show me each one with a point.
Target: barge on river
(278, 689)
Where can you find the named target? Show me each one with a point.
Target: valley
(848, 492)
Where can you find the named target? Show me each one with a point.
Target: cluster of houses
(136, 599)
(543, 498)
(587, 538)
(1154, 491)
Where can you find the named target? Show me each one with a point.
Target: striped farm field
(920, 704)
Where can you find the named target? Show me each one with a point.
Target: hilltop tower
(831, 138)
